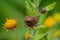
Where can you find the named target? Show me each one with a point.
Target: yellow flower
(10, 24)
(57, 16)
(56, 34)
(49, 22)
(27, 36)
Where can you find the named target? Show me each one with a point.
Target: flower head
(31, 21)
(57, 16)
(27, 36)
(56, 34)
(49, 22)
(10, 24)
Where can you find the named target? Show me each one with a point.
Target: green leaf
(36, 2)
(50, 6)
(39, 36)
(45, 3)
(30, 9)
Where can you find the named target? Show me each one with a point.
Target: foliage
(19, 9)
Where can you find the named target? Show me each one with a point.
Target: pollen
(27, 36)
(49, 22)
(10, 24)
(56, 34)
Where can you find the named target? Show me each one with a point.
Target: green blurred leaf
(45, 3)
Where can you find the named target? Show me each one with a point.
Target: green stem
(44, 36)
(32, 34)
(17, 35)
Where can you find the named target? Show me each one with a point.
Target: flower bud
(27, 36)
(31, 21)
(43, 10)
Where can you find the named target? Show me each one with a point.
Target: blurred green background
(12, 9)
(16, 9)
